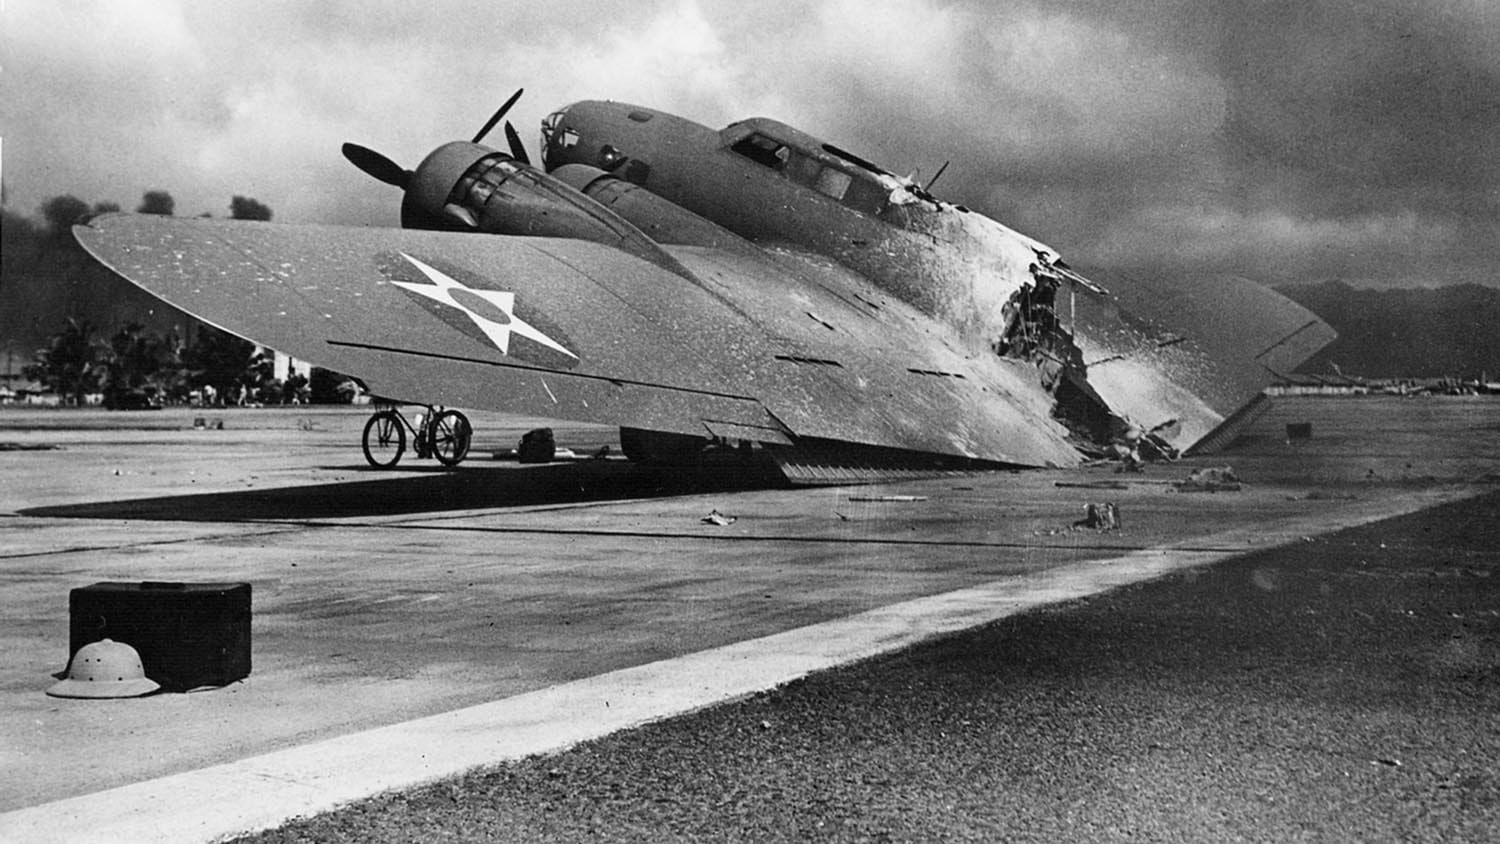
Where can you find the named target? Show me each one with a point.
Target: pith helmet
(105, 668)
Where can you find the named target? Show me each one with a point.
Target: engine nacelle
(472, 188)
(662, 221)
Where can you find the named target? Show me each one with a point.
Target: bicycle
(441, 433)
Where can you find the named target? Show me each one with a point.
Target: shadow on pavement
(469, 488)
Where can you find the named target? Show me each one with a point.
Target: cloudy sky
(1286, 141)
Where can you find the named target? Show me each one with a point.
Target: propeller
(377, 165)
(388, 171)
(517, 149)
(498, 115)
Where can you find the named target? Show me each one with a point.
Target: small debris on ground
(1103, 516)
(1319, 495)
(717, 518)
(1212, 479)
(888, 498)
(1092, 484)
(558, 454)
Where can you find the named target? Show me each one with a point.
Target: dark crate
(188, 634)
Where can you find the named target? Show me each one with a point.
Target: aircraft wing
(571, 329)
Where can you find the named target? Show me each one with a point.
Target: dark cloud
(1287, 141)
(1376, 100)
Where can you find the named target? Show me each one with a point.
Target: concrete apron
(264, 791)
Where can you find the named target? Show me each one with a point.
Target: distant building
(1296, 384)
(12, 382)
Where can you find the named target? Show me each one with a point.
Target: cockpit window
(556, 139)
(853, 187)
(763, 150)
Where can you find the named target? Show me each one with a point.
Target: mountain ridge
(1409, 332)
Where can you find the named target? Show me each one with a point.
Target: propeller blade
(377, 165)
(517, 149)
(499, 115)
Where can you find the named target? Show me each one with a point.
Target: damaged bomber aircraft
(752, 285)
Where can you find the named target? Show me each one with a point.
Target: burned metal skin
(768, 182)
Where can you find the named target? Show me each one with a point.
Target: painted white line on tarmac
(265, 791)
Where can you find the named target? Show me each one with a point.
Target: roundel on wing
(470, 304)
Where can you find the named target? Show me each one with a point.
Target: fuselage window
(832, 182)
(866, 195)
(853, 189)
(803, 168)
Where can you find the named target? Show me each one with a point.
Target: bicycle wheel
(384, 440)
(450, 437)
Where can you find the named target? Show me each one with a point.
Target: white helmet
(105, 668)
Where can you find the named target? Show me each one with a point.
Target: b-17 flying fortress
(752, 285)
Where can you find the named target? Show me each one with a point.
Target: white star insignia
(493, 311)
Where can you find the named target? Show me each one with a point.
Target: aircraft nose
(433, 181)
(558, 139)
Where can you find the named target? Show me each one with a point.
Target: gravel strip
(1345, 689)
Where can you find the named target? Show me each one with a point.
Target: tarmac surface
(1341, 689)
(385, 597)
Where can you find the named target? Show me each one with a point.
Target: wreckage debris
(1213, 479)
(716, 518)
(1320, 495)
(1104, 516)
(1133, 448)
